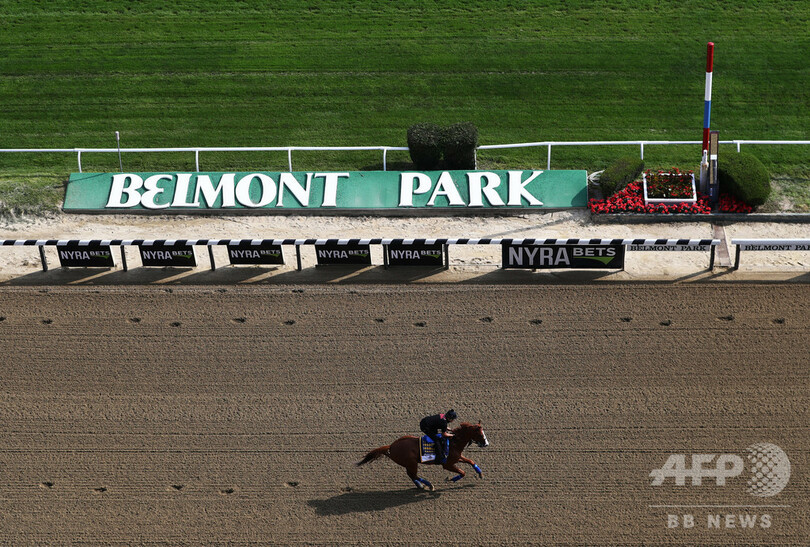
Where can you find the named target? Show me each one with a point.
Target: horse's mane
(463, 425)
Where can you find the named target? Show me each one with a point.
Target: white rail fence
(383, 149)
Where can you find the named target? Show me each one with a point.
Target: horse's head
(475, 434)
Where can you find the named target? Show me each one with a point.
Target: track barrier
(768, 245)
(527, 253)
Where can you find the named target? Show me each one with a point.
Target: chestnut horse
(405, 452)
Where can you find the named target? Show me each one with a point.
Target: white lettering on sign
(268, 188)
(406, 189)
(125, 184)
(157, 255)
(517, 188)
(148, 198)
(525, 256)
(594, 251)
(333, 254)
(210, 194)
(330, 187)
(301, 193)
(74, 255)
(478, 190)
(257, 190)
(239, 253)
(446, 187)
(409, 255)
(181, 192)
(412, 184)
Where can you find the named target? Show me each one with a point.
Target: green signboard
(349, 191)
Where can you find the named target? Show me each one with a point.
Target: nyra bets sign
(300, 191)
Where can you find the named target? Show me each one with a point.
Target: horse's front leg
(473, 464)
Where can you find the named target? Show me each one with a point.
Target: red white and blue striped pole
(707, 99)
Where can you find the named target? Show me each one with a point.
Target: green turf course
(217, 73)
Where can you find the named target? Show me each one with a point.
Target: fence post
(42, 258)
(289, 158)
(79, 152)
(197, 159)
(385, 165)
(738, 147)
(642, 150)
(548, 162)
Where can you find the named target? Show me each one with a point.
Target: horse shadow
(363, 502)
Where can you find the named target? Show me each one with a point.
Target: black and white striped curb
(637, 244)
(706, 243)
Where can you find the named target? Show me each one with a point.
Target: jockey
(435, 427)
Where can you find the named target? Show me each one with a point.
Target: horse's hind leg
(417, 480)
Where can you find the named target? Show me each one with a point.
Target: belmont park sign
(365, 191)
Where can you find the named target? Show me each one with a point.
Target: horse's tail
(373, 455)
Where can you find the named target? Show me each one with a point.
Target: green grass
(208, 73)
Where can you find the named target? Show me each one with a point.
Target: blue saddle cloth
(428, 448)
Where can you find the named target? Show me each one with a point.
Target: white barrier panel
(768, 245)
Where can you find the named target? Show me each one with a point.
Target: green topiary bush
(425, 145)
(619, 174)
(459, 144)
(744, 177)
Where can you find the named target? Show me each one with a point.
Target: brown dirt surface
(235, 414)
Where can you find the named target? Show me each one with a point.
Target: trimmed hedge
(744, 176)
(425, 145)
(460, 142)
(619, 174)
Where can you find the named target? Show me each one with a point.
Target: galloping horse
(405, 452)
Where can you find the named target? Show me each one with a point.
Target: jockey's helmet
(450, 415)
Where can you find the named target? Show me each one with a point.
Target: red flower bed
(631, 200)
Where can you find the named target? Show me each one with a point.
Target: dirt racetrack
(234, 414)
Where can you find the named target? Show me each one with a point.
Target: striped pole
(707, 99)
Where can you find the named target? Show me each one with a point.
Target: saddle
(427, 448)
